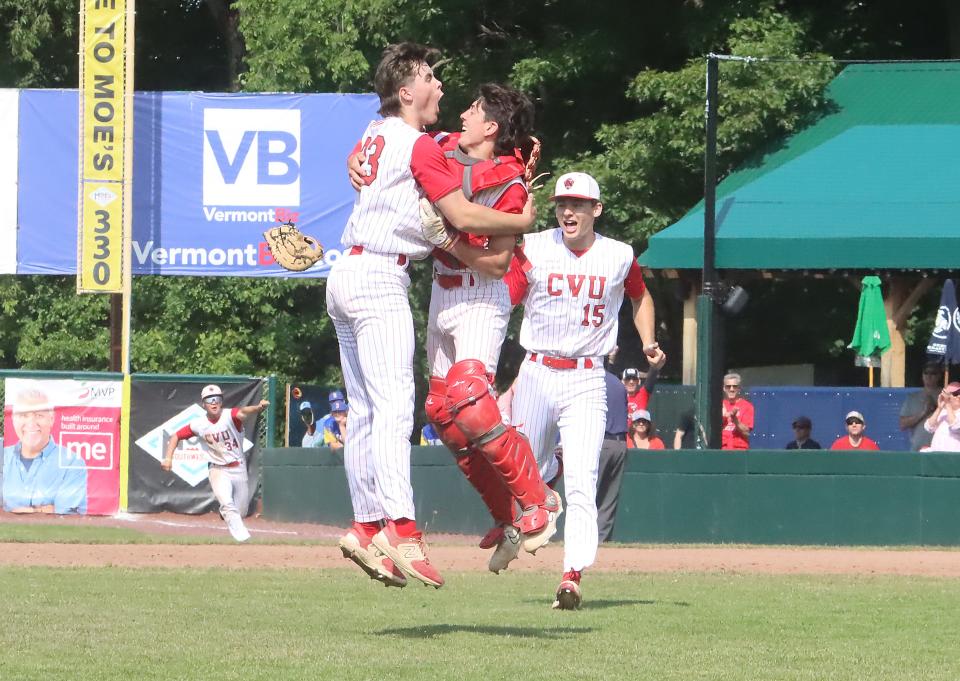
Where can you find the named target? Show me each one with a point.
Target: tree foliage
(619, 91)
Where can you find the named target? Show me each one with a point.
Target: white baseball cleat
(238, 530)
(508, 549)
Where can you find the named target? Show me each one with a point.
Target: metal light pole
(710, 351)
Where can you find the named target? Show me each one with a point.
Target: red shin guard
(477, 415)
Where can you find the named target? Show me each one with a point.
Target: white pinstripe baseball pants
(468, 322)
(573, 402)
(368, 303)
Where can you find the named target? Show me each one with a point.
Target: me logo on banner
(251, 157)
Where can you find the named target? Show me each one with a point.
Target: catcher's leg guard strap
(489, 484)
(510, 455)
(438, 415)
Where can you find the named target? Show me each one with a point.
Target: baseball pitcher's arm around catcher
(477, 219)
(492, 261)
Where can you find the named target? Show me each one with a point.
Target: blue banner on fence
(212, 172)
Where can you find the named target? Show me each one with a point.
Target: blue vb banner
(212, 172)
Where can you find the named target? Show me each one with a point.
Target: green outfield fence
(755, 497)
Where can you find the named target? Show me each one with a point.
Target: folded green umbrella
(871, 337)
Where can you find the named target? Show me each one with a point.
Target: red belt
(357, 250)
(448, 281)
(561, 362)
(232, 464)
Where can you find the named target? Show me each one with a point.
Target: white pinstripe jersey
(386, 212)
(572, 304)
(227, 439)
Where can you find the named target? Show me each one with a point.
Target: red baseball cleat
(408, 553)
(568, 593)
(356, 546)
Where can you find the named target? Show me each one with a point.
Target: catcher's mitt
(291, 248)
(531, 166)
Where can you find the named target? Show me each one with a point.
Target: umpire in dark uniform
(613, 454)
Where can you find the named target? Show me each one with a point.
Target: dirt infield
(449, 552)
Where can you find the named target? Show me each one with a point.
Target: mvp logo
(251, 157)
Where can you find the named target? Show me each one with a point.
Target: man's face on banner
(33, 429)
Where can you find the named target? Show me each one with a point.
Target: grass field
(102, 624)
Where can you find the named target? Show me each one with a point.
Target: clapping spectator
(737, 415)
(918, 407)
(801, 435)
(944, 422)
(855, 439)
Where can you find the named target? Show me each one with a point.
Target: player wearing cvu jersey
(221, 435)
(571, 282)
(469, 310)
(367, 301)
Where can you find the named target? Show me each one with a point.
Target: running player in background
(221, 435)
(571, 282)
(368, 303)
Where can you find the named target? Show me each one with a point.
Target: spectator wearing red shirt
(641, 435)
(737, 415)
(855, 439)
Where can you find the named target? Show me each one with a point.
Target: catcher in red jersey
(571, 282)
(367, 300)
(221, 435)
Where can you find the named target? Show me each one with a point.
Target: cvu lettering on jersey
(558, 284)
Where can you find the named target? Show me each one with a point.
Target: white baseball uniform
(222, 440)
(570, 321)
(367, 301)
(469, 311)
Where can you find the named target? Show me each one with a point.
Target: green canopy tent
(873, 185)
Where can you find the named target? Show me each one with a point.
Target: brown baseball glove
(292, 249)
(531, 167)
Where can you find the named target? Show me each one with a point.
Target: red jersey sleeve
(430, 170)
(516, 276)
(185, 433)
(634, 285)
(235, 415)
(513, 200)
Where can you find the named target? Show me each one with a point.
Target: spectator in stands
(312, 437)
(613, 452)
(737, 415)
(801, 435)
(855, 439)
(638, 396)
(685, 436)
(944, 423)
(918, 407)
(335, 426)
(429, 437)
(641, 434)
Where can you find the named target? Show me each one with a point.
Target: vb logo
(251, 157)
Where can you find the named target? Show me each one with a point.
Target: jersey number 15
(592, 314)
